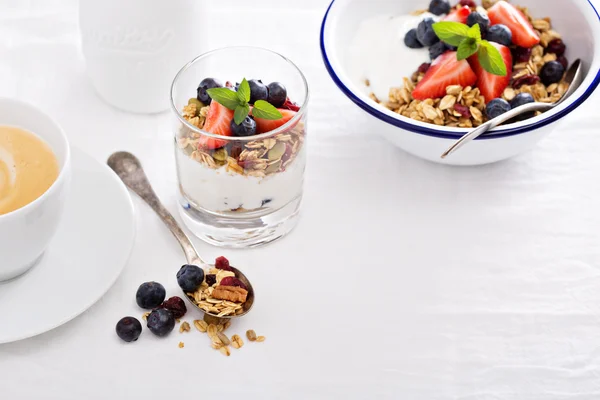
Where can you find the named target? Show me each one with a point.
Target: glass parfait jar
(239, 191)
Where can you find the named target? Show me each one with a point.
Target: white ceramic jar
(134, 48)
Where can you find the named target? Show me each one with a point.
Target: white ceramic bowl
(577, 20)
(25, 233)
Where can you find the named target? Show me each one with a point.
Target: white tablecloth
(404, 280)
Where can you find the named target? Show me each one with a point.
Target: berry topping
(218, 121)
(290, 105)
(439, 7)
(161, 322)
(246, 128)
(525, 80)
(267, 125)
(437, 50)
(423, 68)
(277, 94)
(232, 281)
(499, 34)
(176, 305)
(523, 33)
(556, 46)
(490, 85)
(563, 61)
(468, 3)
(211, 279)
(522, 54)
(410, 40)
(481, 19)
(463, 110)
(129, 329)
(425, 33)
(208, 83)
(190, 277)
(497, 107)
(521, 99)
(222, 263)
(552, 72)
(150, 295)
(459, 15)
(258, 91)
(446, 70)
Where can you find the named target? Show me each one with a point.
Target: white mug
(134, 48)
(26, 232)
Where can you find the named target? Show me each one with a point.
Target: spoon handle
(491, 124)
(130, 171)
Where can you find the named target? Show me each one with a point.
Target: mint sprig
(239, 101)
(469, 42)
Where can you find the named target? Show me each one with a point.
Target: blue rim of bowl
(439, 133)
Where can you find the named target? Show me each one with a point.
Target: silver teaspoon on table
(130, 171)
(574, 77)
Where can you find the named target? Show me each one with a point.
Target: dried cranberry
(522, 54)
(563, 60)
(176, 305)
(463, 110)
(556, 46)
(222, 263)
(423, 68)
(211, 279)
(232, 281)
(468, 3)
(525, 80)
(290, 105)
(235, 149)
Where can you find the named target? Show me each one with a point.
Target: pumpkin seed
(220, 155)
(276, 152)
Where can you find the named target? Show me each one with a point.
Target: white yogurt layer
(378, 53)
(217, 190)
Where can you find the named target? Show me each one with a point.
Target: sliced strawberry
(492, 86)
(218, 122)
(266, 125)
(523, 33)
(459, 15)
(446, 70)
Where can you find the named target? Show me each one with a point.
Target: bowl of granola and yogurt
(429, 71)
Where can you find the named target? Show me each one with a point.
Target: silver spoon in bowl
(574, 77)
(129, 169)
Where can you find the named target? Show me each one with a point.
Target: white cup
(26, 232)
(134, 48)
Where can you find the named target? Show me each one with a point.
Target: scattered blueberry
(277, 94)
(208, 83)
(258, 91)
(129, 329)
(150, 295)
(479, 18)
(410, 40)
(499, 34)
(190, 277)
(211, 279)
(497, 107)
(439, 7)
(246, 128)
(552, 72)
(176, 305)
(426, 34)
(556, 46)
(520, 99)
(161, 322)
(437, 50)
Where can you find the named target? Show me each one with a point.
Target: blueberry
(439, 7)
(277, 94)
(161, 322)
(258, 91)
(150, 295)
(129, 329)
(410, 40)
(208, 83)
(520, 99)
(497, 107)
(499, 34)
(425, 32)
(190, 277)
(246, 128)
(437, 50)
(552, 72)
(481, 19)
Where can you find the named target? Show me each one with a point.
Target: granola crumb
(185, 327)
(181, 345)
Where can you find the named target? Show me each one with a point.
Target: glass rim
(284, 128)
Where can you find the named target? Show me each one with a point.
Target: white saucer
(83, 261)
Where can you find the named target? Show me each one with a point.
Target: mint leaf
(241, 112)
(224, 96)
(244, 91)
(475, 32)
(490, 59)
(450, 32)
(265, 110)
(466, 49)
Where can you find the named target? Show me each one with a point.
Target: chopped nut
(181, 344)
(185, 327)
(230, 293)
(251, 335)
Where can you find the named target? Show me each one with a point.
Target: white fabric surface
(404, 280)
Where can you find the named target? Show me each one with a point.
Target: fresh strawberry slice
(218, 122)
(492, 86)
(266, 125)
(446, 70)
(523, 33)
(459, 15)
